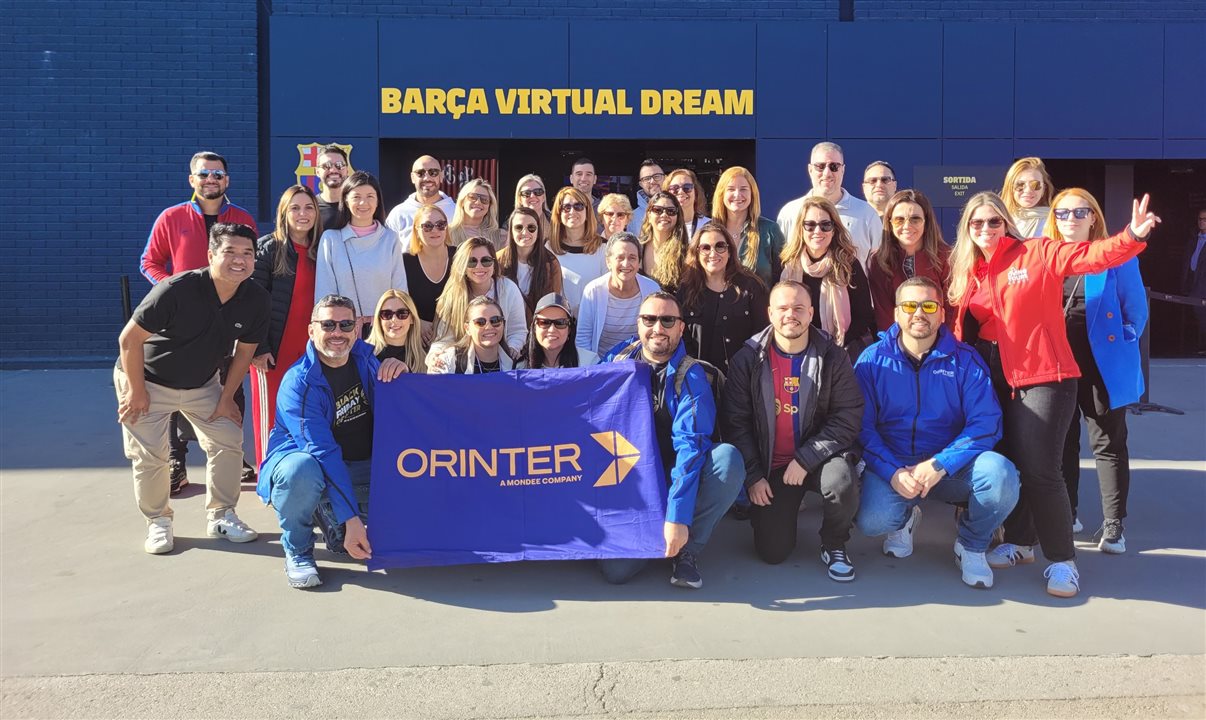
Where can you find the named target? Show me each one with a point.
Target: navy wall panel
(792, 76)
(977, 80)
(597, 60)
(781, 172)
(1185, 81)
(884, 80)
(1106, 83)
(324, 76)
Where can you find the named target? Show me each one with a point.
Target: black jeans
(775, 524)
(1107, 437)
(1036, 424)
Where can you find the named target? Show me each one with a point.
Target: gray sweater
(361, 268)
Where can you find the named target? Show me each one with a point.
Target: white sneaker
(1063, 579)
(1077, 527)
(974, 565)
(160, 539)
(229, 526)
(899, 543)
(1007, 555)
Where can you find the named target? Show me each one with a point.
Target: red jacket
(1028, 301)
(883, 286)
(178, 241)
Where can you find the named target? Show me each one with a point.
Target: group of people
(768, 377)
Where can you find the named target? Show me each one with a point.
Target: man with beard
(426, 174)
(332, 170)
(178, 242)
(826, 169)
(704, 476)
(320, 451)
(649, 179)
(170, 353)
(930, 424)
(792, 407)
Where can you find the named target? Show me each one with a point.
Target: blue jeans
(720, 479)
(989, 486)
(298, 491)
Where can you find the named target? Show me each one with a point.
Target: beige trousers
(147, 447)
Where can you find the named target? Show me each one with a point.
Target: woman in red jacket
(912, 245)
(1008, 296)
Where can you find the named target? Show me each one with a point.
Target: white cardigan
(511, 300)
(445, 362)
(375, 266)
(592, 316)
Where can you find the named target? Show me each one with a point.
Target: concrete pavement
(91, 626)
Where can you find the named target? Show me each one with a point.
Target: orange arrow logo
(625, 453)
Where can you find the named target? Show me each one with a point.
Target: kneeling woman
(483, 348)
(551, 339)
(397, 331)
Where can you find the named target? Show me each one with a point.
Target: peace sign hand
(1142, 221)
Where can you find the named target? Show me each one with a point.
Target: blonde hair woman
(663, 239)
(615, 212)
(428, 262)
(531, 193)
(1027, 195)
(396, 331)
(476, 214)
(821, 256)
(686, 188)
(476, 273)
(737, 205)
(574, 239)
(1008, 296)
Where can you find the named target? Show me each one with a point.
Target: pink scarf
(835, 299)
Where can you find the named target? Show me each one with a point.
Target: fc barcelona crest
(307, 163)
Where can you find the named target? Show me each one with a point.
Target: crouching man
(929, 425)
(320, 450)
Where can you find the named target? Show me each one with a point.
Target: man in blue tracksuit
(930, 422)
(705, 476)
(320, 450)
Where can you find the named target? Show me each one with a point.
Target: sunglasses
(534, 192)
(218, 174)
(833, 166)
(683, 188)
(1023, 185)
(545, 323)
(657, 178)
(662, 210)
(877, 180)
(339, 165)
(426, 172)
(609, 214)
(572, 207)
(484, 262)
(720, 248)
(437, 225)
(478, 197)
(524, 228)
(825, 225)
(992, 223)
(667, 321)
(929, 307)
(899, 222)
(401, 314)
(493, 321)
(330, 325)
(1079, 213)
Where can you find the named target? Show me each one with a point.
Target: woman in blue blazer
(1105, 314)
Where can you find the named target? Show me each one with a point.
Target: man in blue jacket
(322, 444)
(705, 476)
(930, 422)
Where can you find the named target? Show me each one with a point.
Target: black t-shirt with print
(353, 428)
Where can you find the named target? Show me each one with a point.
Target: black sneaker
(178, 474)
(248, 475)
(686, 574)
(740, 511)
(840, 567)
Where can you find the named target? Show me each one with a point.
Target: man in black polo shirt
(170, 352)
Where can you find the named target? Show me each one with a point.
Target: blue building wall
(105, 102)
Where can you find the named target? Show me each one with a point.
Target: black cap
(553, 300)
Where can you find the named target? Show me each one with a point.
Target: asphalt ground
(91, 626)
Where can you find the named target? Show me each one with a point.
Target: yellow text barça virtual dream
(457, 102)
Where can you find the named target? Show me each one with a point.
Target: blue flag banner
(522, 465)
